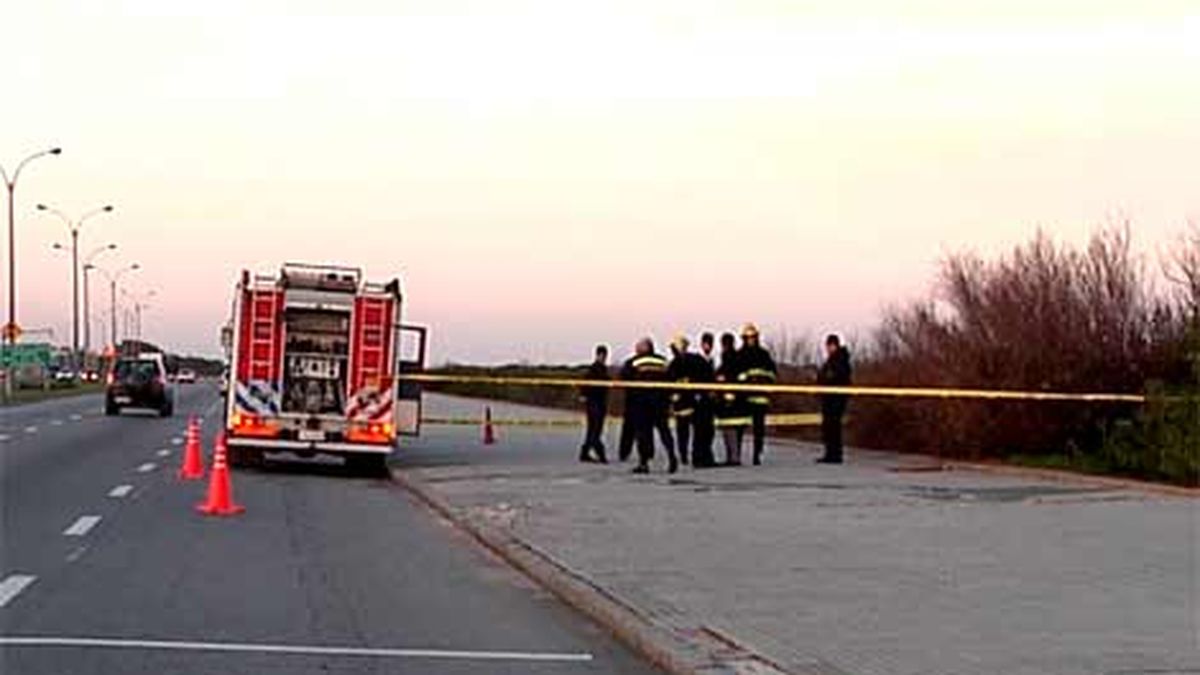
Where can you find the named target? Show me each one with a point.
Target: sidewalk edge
(657, 644)
(1064, 476)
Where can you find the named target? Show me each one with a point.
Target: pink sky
(543, 177)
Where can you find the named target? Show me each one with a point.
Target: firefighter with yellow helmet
(755, 366)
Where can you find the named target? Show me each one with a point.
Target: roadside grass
(24, 396)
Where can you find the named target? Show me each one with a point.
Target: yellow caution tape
(475, 421)
(780, 420)
(893, 392)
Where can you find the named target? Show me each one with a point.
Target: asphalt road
(105, 567)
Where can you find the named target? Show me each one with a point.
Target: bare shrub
(1045, 316)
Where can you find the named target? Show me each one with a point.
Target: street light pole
(139, 304)
(113, 278)
(10, 182)
(87, 316)
(74, 227)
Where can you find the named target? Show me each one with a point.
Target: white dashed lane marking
(120, 491)
(76, 417)
(177, 441)
(31, 430)
(56, 423)
(81, 526)
(163, 453)
(146, 468)
(4, 437)
(12, 586)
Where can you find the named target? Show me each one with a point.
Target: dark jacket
(756, 367)
(691, 368)
(728, 404)
(835, 372)
(648, 368)
(596, 397)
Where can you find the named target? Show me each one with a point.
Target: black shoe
(829, 460)
(757, 460)
(641, 468)
(601, 460)
(683, 459)
(586, 458)
(672, 466)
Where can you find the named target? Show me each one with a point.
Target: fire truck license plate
(312, 435)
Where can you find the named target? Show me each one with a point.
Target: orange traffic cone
(193, 459)
(220, 488)
(489, 433)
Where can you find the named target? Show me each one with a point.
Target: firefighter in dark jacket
(835, 372)
(595, 406)
(755, 366)
(729, 407)
(703, 424)
(644, 407)
(688, 367)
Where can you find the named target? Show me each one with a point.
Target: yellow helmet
(749, 330)
(680, 340)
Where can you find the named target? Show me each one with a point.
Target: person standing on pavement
(686, 367)
(644, 407)
(834, 372)
(755, 366)
(703, 422)
(595, 406)
(730, 411)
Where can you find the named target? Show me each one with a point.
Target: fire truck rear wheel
(367, 464)
(245, 457)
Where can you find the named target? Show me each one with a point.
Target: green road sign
(32, 354)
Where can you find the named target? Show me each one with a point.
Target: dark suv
(139, 382)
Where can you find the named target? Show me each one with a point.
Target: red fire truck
(314, 357)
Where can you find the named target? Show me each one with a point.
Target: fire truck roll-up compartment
(316, 354)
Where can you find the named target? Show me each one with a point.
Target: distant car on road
(139, 382)
(186, 376)
(64, 376)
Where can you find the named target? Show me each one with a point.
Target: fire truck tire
(367, 464)
(245, 457)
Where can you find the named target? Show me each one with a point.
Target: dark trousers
(625, 445)
(705, 434)
(758, 428)
(683, 433)
(831, 432)
(662, 422)
(593, 439)
(638, 430)
(643, 435)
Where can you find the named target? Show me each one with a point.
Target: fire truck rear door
(411, 350)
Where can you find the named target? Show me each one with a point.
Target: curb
(932, 463)
(663, 647)
(1063, 476)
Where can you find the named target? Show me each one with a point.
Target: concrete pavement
(864, 568)
(106, 568)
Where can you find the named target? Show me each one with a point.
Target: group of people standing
(698, 414)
